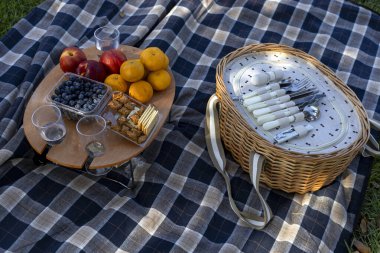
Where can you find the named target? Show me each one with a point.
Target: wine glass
(106, 38)
(91, 130)
(48, 120)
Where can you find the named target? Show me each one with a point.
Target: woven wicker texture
(285, 170)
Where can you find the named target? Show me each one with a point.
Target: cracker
(151, 122)
(144, 116)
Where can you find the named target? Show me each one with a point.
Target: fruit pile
(79, 93)
(139, 78)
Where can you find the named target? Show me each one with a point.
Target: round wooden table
(70, 153)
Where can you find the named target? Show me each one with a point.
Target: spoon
(311, 112)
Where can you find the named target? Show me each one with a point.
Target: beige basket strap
(216, 152)
(372, 148)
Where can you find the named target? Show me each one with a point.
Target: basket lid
(338, 126)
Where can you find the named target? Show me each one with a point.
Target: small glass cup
(48, 120)
(91, 130)
(106, 38)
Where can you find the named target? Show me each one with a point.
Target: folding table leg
(40, 159)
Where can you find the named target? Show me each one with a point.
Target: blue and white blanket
(181, 203)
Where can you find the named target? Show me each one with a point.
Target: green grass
(369, 231)
(370, 4)
(12, 11)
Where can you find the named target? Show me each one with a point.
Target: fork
(287, 84)
(276, 92)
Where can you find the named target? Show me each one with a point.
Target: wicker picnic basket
(283, 169)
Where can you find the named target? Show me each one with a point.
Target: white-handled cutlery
(293, 132)
(266, 77)
(285, 121)
(266, 110)
(280, 104)
(277, 114)
(309, 113)
(287, 84)
(279, 100)
(297, 105)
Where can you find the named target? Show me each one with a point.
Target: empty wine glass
(106, 38)
(91, 130)
(48, 120)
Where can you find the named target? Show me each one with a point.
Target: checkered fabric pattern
(181, 203)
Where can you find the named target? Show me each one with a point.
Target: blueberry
(80, 96)
(100, 95)
(104, 91)
(77, 106)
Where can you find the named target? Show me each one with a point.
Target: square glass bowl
(122, 118)
(78, 96)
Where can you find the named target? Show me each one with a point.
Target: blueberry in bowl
(77, 96)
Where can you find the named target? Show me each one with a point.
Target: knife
(298, 106)
(264, 97)
(281, 99)
(268, 88)
(298, 101)
(285, 121)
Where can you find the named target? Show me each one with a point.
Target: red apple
(70, 59)
(112, 59)
(92, 69)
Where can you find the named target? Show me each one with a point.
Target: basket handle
(372, 147)
(216, 152)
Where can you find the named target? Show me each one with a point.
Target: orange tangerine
(154, 59)
(141, 90)
(132, 70)
(116, 82)
(160, 80)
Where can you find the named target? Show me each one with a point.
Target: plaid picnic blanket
(180, 203)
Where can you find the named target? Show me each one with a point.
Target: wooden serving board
(69, 153)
